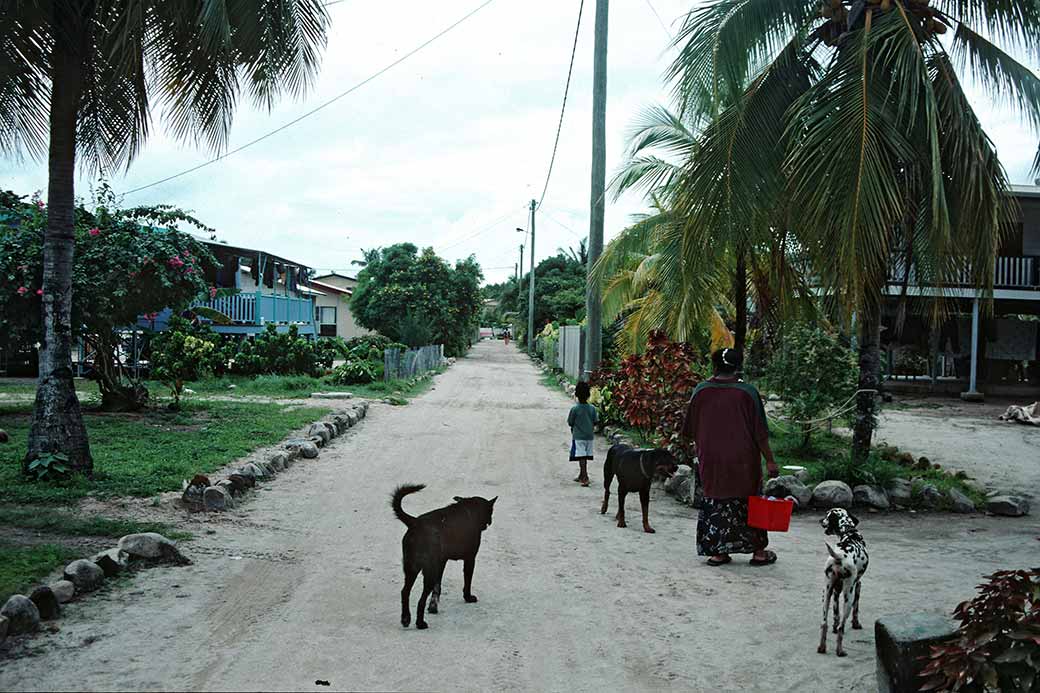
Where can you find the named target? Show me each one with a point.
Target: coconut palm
(854, 132)
(79, 79)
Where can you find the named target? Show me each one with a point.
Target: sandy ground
(303, 584)
(969, 437)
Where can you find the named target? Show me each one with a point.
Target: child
(582, 419)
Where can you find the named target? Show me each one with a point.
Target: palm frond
(25, 69)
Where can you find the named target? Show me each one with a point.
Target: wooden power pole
(593, 305)
(530, 283)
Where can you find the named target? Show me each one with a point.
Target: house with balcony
(332, 314)
(270, 290)
(974, 351)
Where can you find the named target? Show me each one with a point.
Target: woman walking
(727, 421)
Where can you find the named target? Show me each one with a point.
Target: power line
(334, 99)
(660, 21)
(563, 109)
(483, 229)
(564, 226)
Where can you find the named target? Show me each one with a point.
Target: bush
(364, 360)
(285, 353)
(183, 352)
(813, 372)
(874, 472)
(998, 643)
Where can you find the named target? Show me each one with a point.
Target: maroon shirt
(727, 420)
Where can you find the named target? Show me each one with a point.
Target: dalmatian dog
(843, 572)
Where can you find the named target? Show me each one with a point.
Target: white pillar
(973, 395)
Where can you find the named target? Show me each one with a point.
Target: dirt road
(302, 583)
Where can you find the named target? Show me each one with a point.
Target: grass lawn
(293, 387)
(53, 521)
(21, 566)
(144, 453)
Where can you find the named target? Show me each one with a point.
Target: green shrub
(285, 353)
(181, 353)
(813, 372)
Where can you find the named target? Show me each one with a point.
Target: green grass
(145, 453)
(21, 566)
(70, 524)
(293, 387)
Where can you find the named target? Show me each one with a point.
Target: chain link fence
(401, 364)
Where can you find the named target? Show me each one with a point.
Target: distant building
(332, 314)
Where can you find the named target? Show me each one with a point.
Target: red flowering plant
(114, 280)
(652, 389)
(997, 647)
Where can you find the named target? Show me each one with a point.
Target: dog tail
(399, 493)
(836, 555)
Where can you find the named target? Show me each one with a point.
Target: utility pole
(520, 278)
(594, 336)
(530, 283)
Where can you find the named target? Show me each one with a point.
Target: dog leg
(621, 506)
(435, 596)
(430, 580)
(406, 591)
(836, 612)
(644, 501)
(846, 604)
(468, 565)
(822, 649)
(607, 479)
(856, 625)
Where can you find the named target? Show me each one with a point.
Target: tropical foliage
(182, 353)
(82, 79)
(838, 140)
(128, 263)
(402, 293)
(363, 360)
(282, 353)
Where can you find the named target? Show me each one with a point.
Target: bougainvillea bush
(998, 643)
(650, 391)
(128, 263)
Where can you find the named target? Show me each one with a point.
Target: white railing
(1009, 273)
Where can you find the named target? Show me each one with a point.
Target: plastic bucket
(770, 515)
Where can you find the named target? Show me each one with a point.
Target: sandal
(585, 482)
(714, 562)
(768, 560)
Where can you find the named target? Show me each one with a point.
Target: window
(327, 321)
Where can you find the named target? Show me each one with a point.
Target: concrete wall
(345, 325)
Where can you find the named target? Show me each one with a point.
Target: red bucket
(770, 515)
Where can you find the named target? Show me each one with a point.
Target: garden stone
(318, 430)
(112, 562)
(277, 462)
(870, 496)
(217, 498)
(239, 483)
(961, 503)
(292, 450)
(22, 615)
(309, 450)
(353, 418)
(977, 486)
(332, 395)
(902, 644)
(900, 491)
(832, 494)
(931, 497)
(46, 603)
(1008, 506)
(63, 590)
(331, 428)
(258, 471)
(151, 545)
(789, 485)
(318, 441)
(86, 575)
(684, 489)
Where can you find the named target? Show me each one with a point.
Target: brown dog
(635, 470)
(447, 534)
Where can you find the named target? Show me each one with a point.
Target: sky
(448, 148)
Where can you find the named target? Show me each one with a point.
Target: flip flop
(714, 562)
(768, 560)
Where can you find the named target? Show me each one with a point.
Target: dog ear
(458, 499)
(492, 501)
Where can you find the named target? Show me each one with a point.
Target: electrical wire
(324, 105)
(660, 21)
(483, 229)
(563, 108)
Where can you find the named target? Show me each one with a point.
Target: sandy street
(302, 582)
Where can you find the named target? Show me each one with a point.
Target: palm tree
(79, 77)
(644, 273)
(855, 133)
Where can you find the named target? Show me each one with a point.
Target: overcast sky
(447, 148)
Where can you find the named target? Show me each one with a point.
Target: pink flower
(175, 262)
(212, 292)
(22, 291)
(94, 231)
(39, 204)
(39, 292)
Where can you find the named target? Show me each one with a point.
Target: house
(974, 351)
(332, 315)
(271, 289)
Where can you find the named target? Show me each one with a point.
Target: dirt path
(302, 583)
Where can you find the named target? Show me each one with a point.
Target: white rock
(64, 590)
(86, 575)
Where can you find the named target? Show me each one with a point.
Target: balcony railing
(1009, 273)
(257, 308)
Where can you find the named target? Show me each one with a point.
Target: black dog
(635, 470)
(433, 539)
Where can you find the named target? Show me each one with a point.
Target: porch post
(973, 395)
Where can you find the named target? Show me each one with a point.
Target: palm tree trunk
(865, 420)
(740, 280)
(57, 423)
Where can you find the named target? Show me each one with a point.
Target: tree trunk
(865, 420)
(118, 391)
(740, 281)
(57, 423)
